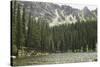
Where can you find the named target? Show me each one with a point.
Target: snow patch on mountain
(68, 19)
(56, 14)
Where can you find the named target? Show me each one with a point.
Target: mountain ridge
(58, 14)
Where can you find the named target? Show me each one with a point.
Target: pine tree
(18, 29)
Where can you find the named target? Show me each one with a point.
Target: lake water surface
(57, 58)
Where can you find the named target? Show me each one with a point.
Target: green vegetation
(31, 35)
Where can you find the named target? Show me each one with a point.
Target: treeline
(37, 35)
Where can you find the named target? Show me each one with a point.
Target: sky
(78, 4)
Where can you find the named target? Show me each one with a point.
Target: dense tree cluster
(37, 35)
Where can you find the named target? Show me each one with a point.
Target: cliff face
(58, 14)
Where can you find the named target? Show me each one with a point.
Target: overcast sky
(61, 2)
(81, 6)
